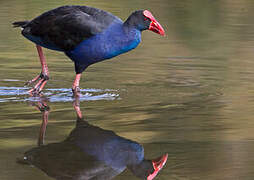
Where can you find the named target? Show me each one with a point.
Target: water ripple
(20, 94)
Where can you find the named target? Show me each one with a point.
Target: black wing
(67, 26)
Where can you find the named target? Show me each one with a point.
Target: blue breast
(112, 42)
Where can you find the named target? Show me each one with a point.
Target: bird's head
(143, 20)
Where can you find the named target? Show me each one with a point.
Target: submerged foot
(76, 91)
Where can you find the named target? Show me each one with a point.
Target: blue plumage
(39, 41)
(111, 42)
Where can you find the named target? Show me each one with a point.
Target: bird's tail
(20, 24)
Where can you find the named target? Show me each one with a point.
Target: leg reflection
(44, 108)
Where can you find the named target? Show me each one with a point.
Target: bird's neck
(123, 39)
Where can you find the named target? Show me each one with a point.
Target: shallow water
(188, 94)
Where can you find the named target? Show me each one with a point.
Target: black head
(143, 20)
(138, 20)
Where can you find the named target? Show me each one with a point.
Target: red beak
(154, 25)
(158, 164)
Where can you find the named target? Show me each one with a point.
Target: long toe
(42, 80)
(33, 80)
(36, 90)
(42, 75)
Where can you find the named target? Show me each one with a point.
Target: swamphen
(86, 35)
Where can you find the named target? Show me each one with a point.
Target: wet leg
(41, 78)
(75, 85)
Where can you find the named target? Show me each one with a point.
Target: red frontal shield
(154, 25)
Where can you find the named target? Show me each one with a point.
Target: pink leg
(76, 105)
(43, 77)
(75, 85)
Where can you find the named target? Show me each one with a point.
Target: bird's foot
(76, 91)
(42, 80)
(42, 75)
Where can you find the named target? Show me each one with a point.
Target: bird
(86, 35)
(90, 152)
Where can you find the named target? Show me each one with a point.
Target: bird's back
(65, 27)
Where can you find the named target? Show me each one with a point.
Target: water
(189, 94)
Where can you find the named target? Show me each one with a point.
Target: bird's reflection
(89, 153)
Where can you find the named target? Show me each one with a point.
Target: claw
(43, 78)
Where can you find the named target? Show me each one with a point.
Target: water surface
(189, 94)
